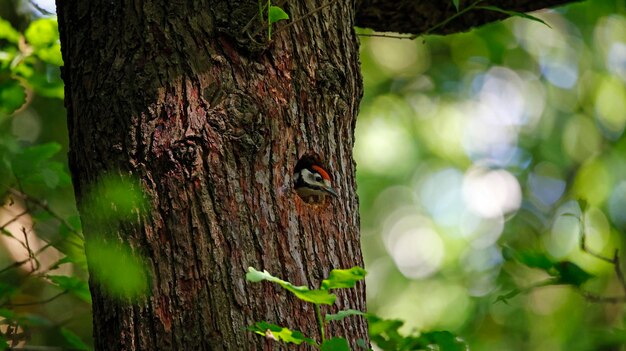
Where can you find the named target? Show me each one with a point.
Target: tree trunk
(190, 97)
(213, 126)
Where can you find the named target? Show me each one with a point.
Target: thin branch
(382, 35)
(618, 270)
(40, 302)
(602, 299)
(13, 220)
(43, 205)
(308, 14)
(429, 30)
(34, 262)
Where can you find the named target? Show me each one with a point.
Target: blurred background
(481, 159)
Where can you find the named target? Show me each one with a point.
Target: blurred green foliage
(473, 150)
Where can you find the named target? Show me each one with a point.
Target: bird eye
(318, 178)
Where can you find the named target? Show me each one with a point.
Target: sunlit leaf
(42, 32)
(278, 333)
(8, 32)
(513, 14)
(343, 278)
(277, 14)
(51, 54)
(316, 296)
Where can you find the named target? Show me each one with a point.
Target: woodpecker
(311, 181)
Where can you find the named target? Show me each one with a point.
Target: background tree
(180, 158)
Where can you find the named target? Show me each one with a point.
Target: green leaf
(277, 14)
(336, 344)
(12, 96)
(445, 341)
(72, 284)
(8, 314)
(583, 204)
(42, 32)
(379, 326)
(73, 340)
(343, 278)
(572, 274)
(33, 157)
(51, 54)
(343, 314)
(530, 259)
(513, 14)
(8, 32)
(535, 260)
(114, 199)
(4, 343)
(316, 296)
(47, 85)
(456, 4)
(118, 270)
(276, 332)
(362, 344)
(7, 290)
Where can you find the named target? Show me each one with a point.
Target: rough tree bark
(189, 97)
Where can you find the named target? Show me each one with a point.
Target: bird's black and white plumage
(312, 181)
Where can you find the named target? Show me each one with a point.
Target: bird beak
(331, 191)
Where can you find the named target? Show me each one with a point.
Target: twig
(308, 14)
(615, 261)
(602, 299)
(31, 255)
(14, 219)
(390, 36)
(40, 302)
(43, 205)
(429, 30)
(618, 270)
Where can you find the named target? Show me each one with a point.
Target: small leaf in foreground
(316, 296)
(336, 344)
(276, 332)
(343, 278)
(277, 14)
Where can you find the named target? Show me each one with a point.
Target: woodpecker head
(311, 180)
